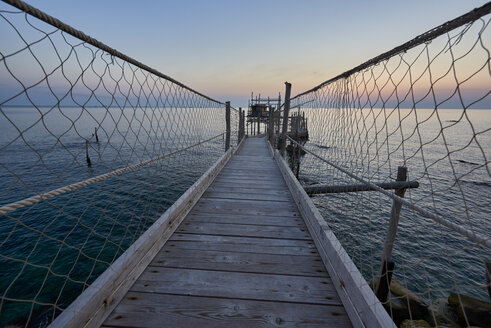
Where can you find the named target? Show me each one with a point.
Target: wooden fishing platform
(235, 251)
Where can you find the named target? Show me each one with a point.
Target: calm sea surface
(98, 222)
(51, 251)
(446, 154)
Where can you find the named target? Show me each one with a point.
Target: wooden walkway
(242, 257)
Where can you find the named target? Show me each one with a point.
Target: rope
(420, 39)
(36, 199)
(84, 37)
(435, 217)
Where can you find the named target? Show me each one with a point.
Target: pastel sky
(230, 48)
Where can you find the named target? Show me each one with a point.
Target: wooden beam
(330, 189)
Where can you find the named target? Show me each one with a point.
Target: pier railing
(94, 147)
(416, 116)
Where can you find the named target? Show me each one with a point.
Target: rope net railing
(94, 147)
(425, 106)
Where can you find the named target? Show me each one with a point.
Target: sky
(230, 48)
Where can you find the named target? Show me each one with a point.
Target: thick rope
(485, 241)
(84, 37)
(470, 17)
(36, 199)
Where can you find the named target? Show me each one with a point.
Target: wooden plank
(262, 191)
(361, 304)
(269, 287)
(246, 207)
(244, 244)
(241, 262)
(276, 176)
(252, 180)
(148, 310)
(227, 229)
(248, 185)
(259, 205)
(251, 195)
(260, 220)
(101, 297)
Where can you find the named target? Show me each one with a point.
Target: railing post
(244, 131)
(227, 122)
(387, 267)
(286, 109)
(271, 126)
(258, 122)
(240, 132)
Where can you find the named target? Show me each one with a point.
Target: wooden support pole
(240, 133)
(488, 276)
(258, 122)
(385, 278)
(383, 285)
(333, 189)
(227, 122)
(87, 157)
(96, 136)
(286, 109)
(271, 126)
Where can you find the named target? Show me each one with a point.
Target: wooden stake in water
(89, 163)
(96, 136)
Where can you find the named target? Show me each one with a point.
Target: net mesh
(426, 108)
(69, 112)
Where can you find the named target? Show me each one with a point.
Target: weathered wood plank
(244, 244)
(148, 310)
(269, 287)
(241, 262)
(246, 207)
(274, 177)
(261, 220)
(240, 194)
(262, 191)
(227, 229)
(251, 182)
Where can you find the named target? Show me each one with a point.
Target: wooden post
(286, 109)
(488, 276)
(383, 285)
(227, 122)
(87, 158)
(258, 122)
(239, 137)
(271, 126)
(96, 136)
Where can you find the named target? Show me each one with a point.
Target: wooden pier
(243, 247)
(241, 258)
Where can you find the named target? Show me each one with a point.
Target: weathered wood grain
(244, 244)
(240, 193)
(261, 220)
(241, 262)
(253, 286)
(245, 230)
(147, 310)
(246, 207)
